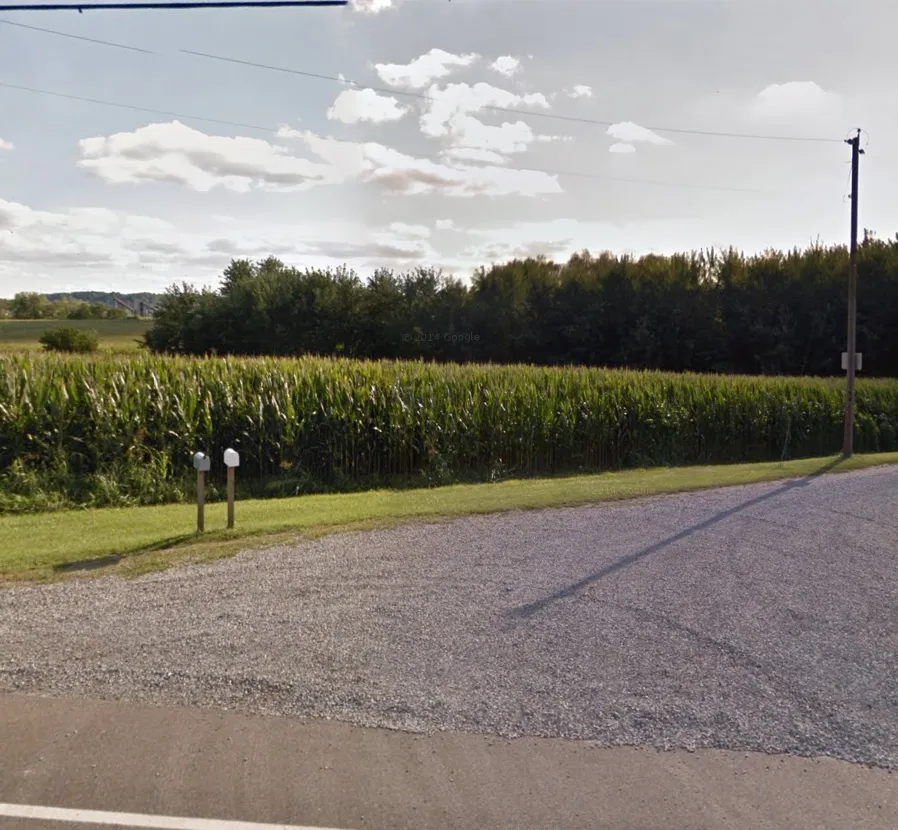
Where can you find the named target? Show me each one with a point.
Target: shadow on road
(113, 558)
(533, 608)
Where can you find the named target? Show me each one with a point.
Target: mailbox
(231, 458)
(201, 462)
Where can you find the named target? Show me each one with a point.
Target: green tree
(70, 340)
(704, 311)
(28, 305)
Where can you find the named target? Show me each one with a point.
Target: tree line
(29, 305)
(705, 311)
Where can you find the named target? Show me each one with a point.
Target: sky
(444, 133)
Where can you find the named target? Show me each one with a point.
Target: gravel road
(751, 618)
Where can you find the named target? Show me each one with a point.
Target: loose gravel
(751, 618)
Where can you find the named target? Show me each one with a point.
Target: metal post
(848, 440)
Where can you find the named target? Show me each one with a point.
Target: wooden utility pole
(851, 368)
(200, 501)
(231, 472)
(232, 462)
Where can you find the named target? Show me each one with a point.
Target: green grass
(37, 546)
(115, 335)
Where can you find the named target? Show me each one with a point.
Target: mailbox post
(202, 464)
(232, 462)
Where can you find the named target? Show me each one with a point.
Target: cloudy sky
(462, 132)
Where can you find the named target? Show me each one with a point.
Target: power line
(420, 95)
(510, 110)
(211, 4)
(77, 37)
(428, 157)
(136, 108)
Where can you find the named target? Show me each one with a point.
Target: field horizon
(121, 335)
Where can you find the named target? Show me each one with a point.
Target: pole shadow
(95, 563)
(533, 608)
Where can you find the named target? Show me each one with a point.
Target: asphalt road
(187, 762)
(752, 619)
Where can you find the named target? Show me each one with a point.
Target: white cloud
(82, 239)
(469, 132)
(372, 6)
(445, 224)
(354, 105)
(406, 174)
(474, 154)
(579, 91)
(621, 148)
(46, 250)
(630, 132)
(556, 239)
(329, 244)
(414, 231)
(382, 249)
(181, 155)
(174, 152)
(401, 173)
(464, 99)
(559, 238)
(794, 98)
(499, 251)
(506, 65)
(95, 246)
(83, 248)
(449, 114)
(396, 245)
(429, 67)
(6, 145)
(101, 221)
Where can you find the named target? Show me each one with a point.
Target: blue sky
(95, 196)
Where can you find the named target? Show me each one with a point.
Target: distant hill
(106, 297)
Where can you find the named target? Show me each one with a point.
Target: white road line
(139, 820)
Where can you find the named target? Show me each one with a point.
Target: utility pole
(851, 368)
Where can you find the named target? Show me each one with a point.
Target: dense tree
(28, 305)
(711, 311)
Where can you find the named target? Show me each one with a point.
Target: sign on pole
(858, 363)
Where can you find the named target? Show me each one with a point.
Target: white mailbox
(201, 462)
(231, 458)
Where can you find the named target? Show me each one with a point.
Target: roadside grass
(115, 335)
(138, 540)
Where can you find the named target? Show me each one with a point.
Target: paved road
(759, 618)
(189, 762)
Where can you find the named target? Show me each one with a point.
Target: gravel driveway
(761, 617)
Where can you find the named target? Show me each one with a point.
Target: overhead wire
(436, 157)
(440, 157)
(508, 110)
(76, 37)
(426, 97)
(135, 107)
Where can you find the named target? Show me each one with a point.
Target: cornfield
(121, 431)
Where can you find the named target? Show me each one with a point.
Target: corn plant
(100, 424)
